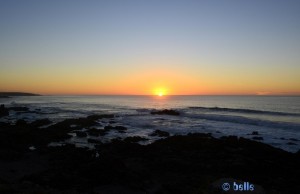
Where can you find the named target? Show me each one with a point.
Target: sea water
(275, 118)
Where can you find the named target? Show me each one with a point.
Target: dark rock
(258, 138)
(160, 133)
(97, 132)
(83, 122)
(21, 122)
(80, 134)
(94, 141)
(3, 124)
(202, 135)
(255, 133)
(116, 140)
(178, 164)
(3, 111)
(120, 128)
(41, 122)
(294, 139)
(165, 112)
(108, 127)
(291, 143)
(93, 133)
(134, 139)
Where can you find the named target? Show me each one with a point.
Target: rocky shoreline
(194, 163)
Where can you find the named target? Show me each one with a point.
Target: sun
(160, 92)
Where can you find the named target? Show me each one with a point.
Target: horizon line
(40, 94)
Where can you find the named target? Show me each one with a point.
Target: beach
(101, 153)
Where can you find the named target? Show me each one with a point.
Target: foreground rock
(160, 133)
(134, 139)
(23, 135)
(3, 111)
(40, 123)
(118, 128)
(179, 164)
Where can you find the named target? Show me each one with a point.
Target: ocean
(275, 118)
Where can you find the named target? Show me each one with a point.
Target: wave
(244, 120)
(237, 110)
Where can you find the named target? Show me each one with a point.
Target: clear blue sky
(215, 43)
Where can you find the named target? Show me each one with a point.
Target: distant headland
(9, 94)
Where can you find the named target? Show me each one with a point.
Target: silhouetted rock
(80, 134)
(21, 122)
(160, 133)
(108, 127)
(134, 139)
(97, 132)
(258, 138)
(41, 122)
(119, 128)
(255, 133)
(94, 141)
(165, 112)
(3, 111)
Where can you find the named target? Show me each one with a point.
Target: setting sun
(160, 91)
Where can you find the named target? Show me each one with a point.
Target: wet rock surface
(177, 164)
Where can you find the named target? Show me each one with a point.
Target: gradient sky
(145, 47)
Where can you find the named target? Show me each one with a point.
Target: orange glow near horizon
(143, 81)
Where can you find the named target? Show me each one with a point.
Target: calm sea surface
(277, 119)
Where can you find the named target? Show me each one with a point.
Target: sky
(141, 47)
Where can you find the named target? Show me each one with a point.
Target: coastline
(10, 94)
(181, 163)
